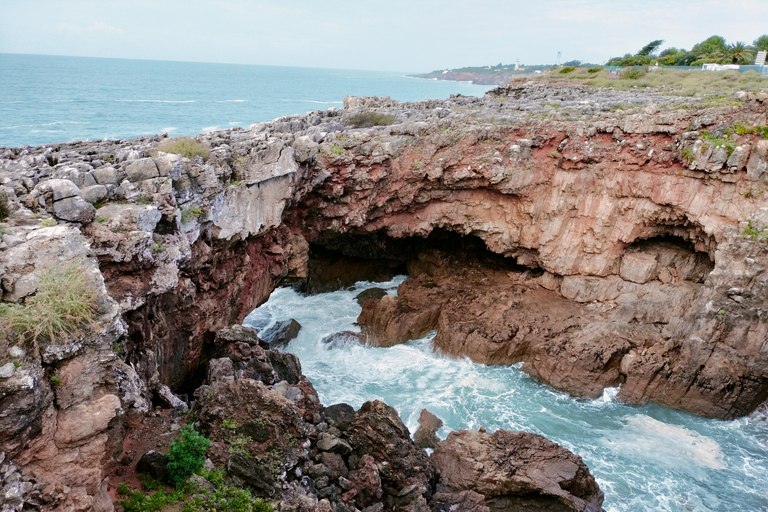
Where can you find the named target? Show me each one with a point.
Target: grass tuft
(184, 146)
(64, 302)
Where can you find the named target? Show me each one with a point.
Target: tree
(711, 48)
(650, 49)
(740, 53)
(761, 43)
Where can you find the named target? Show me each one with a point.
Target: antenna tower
(557, 60)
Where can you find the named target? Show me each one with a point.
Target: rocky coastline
(602, 238)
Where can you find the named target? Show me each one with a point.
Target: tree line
(712, 50)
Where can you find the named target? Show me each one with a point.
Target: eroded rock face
(516, 471)
(588, 198)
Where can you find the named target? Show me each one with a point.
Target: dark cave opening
(341, 260)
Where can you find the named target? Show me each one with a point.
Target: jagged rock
(426, 435)
(377, 430)
(516, 469)
(154, 464)
(239, 333)
(281, 333)
(252, 472)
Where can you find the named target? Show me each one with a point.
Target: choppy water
(46, 99)
(647, 458)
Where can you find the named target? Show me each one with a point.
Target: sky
(385, 35)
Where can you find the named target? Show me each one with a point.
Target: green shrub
(729, 145)
(138, 502)
(368, 119)
(225, 497)
(191, 213)
(47, 223)
(5, 210)
(567, 69)
(184, 146)
(158, 247)
(594, 70)
(186, 455)
(63, 303)
(632, 73)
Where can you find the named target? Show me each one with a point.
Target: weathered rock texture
(643, 233)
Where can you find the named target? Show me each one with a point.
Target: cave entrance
(339, 261)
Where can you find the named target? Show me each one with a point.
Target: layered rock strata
(641, 216)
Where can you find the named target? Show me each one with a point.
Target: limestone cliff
(640, 216)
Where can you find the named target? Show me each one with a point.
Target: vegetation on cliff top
(714, 49)
(63, 304)
(184, 146)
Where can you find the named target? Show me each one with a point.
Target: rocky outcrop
(516, 471)
(637, 234)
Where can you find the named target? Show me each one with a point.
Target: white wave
(609, 395)
(169, 129)
(666, 444)
(156, 101)
(315, 101)
(235, 123)
(207, 129)
(62, 122)
(231, 101)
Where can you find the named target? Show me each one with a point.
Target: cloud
(96, 26)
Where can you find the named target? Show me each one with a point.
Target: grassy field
(684, 82)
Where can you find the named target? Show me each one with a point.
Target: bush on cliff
(368, 119)
(64, 302)
(184, 146)
(186, 455)
(5, 210)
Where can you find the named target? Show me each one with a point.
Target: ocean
(47, 99)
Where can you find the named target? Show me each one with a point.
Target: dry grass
(63, 304)
(368, 119)
(184, 146)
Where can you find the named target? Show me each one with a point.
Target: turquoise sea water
(46, 99)
(645, 458)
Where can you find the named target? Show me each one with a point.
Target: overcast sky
(394, 35)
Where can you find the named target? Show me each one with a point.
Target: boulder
(516, 469)
(166, 396)
(281, 333)
(154, 464)
(339, 415)
(74, 209)
(142, 169)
